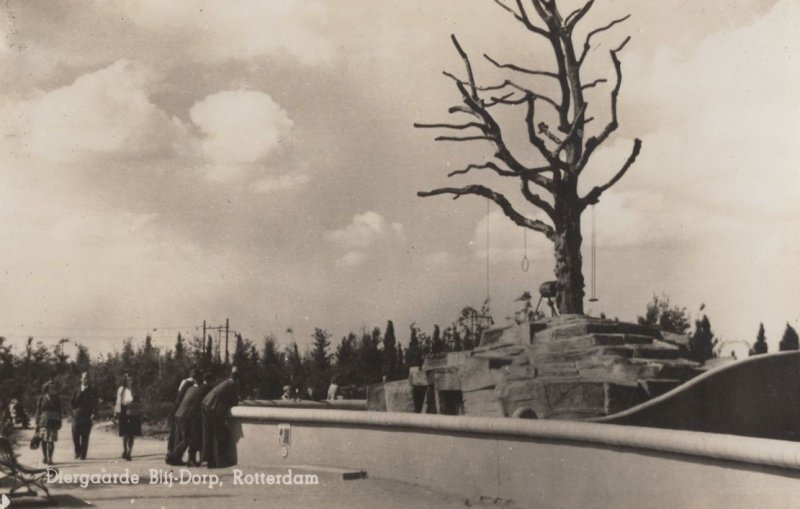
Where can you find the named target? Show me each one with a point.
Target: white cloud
(271, 184)
(364, 230)
(367, 230)
(105, 113)
(239, 127)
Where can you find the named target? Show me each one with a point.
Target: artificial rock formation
(570, 367)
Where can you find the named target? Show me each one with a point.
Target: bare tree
(551, 183)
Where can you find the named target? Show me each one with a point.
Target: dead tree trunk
(564, 151)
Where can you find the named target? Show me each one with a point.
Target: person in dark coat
(188, 426)
(182, 388)
(84, 406)
(203, 390)
(216, 429)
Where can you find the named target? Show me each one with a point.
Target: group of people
(49, 416)
(198, 421)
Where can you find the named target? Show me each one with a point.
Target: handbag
(36, 441)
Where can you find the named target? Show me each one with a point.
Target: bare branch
(594, 83)
(488, 165)
(505, 99)
(544, 129)
(595, 141)
(523, 18)
(520, 69)
(594, 195)
(535, 140)
(448, 126)
(587, 45)
(500, 200)
(462, 138)
(577, 15)
(465, 58)
(537, 200)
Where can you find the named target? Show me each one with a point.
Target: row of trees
(355, 361)
(662, 315)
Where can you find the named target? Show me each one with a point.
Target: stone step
(590, 340)
(656, 353)
(582, 354)
(580, 327)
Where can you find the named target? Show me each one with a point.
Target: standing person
(182, 387)
(128, 409)
(84, 406)
(216, 430)
(187, 425)
(202, 432)
(48, 419)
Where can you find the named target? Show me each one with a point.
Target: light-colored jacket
(124, 397)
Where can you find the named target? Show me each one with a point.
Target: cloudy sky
(162, 163)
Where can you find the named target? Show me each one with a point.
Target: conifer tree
(760, 346)
(790, 340)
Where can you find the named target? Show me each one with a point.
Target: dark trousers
(187, 436)
(216, 439)
(81, 428)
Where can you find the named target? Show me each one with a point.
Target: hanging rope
(594, 259)
(525, 263)
(488, 203)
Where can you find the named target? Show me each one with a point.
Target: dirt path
(231, 491)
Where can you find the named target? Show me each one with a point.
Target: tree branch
(594, 83)
(595, 141)
(522, 17)
(489, 165)
(577, 15)
(449, 126)
(520, 69)
(534, 139)
(594, 195)
(467, 64)
(463, 138)
(587, 45)
(500, 200)
(537, 200)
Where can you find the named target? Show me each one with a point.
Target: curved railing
(759, 451)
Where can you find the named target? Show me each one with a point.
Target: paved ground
(104, 458)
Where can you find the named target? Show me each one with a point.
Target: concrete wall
(546, 464)
(755, 397)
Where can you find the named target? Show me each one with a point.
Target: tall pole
(204, 339)
(227, 324)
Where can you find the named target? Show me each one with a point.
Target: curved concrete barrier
(333, 404)
(754, 397)
(551, 463)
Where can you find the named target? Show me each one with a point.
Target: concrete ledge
(333, 404)
(757, 451)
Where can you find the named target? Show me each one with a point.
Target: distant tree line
(661, 314)
(266, 367)
(357, 360)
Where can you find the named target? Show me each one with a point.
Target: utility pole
(204, 338)
(227, 328)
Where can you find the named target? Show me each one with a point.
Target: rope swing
(525, 263)
(488, 203)
(594, 298)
